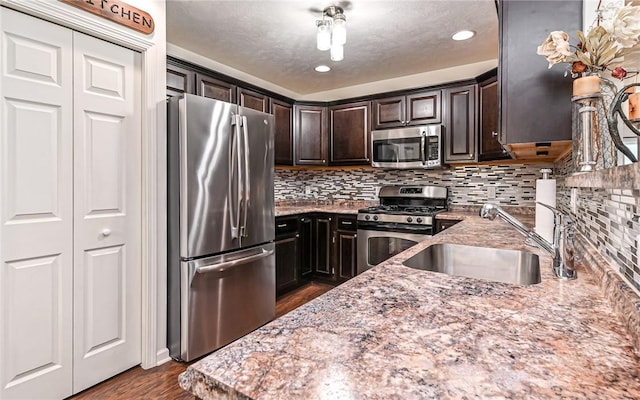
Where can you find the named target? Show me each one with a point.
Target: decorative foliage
(604, 47)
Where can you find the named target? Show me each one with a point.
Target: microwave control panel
(433, 150)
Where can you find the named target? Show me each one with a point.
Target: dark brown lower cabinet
(314, 246)
(345, 247)
(442, 224)
(287, 251)
(287, 254)
(305, 229)
(323, 239)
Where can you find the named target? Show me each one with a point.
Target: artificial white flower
(626, 26)
(555, 48)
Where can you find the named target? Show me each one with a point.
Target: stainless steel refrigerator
(221, 262)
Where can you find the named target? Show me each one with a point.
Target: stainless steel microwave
(404, 148)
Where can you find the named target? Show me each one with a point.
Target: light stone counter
(333, 209)
(398, 333)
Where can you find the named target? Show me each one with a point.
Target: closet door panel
(107, 182)
(36, 200)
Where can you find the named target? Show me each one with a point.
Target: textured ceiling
(275, 40)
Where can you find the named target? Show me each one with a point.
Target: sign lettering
(118, 12)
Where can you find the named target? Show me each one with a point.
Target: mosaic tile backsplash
(608, 218)
(470, 185)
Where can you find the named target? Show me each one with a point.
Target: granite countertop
(303, 209)
(397, 332)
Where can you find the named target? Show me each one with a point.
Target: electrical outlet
(574, 200)
(491, 193)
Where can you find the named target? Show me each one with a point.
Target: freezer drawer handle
(222, 267)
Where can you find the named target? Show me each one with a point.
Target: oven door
(376, 246)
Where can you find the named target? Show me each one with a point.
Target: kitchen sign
(118, 12)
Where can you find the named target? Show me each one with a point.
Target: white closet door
(107, 226)
(36, 200)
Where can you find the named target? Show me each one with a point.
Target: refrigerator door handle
(225, 266)
(234, 172)
(247, 176)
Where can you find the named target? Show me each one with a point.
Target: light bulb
(339, 35)
(463, 35)
(323, 35)
(337, 52)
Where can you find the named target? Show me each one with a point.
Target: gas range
(403, 219)
(415, 205)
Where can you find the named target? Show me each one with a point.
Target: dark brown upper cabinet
(310, 132)
(254, 100)
(535, 101)
(459, 120)
(350, 134)
(213, 88)
(179, 80)
(413, 109)
(489, 146)
(283, 140)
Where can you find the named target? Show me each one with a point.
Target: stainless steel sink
(509, 266)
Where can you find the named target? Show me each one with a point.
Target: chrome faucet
(562, 247)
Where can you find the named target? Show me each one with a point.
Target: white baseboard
(163, 356)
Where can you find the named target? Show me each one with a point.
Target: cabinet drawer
(442, 224)
(286, 225)
(347, 223)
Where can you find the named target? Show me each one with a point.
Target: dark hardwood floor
(162, 382)
(294, 299)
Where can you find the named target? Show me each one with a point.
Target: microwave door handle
(247, 176)
(423, 145)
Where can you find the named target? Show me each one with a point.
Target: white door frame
(153, 119)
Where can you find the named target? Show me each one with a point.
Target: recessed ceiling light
(322, 68)
(463, 35)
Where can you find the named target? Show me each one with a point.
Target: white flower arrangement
(604, 47)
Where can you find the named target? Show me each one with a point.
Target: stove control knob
(367, 217)
(419, 220)
(409, 219)
(375, 217)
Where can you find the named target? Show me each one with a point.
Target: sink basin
(508, 266)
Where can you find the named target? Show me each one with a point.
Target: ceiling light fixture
(322, 68)
(463, 35)
(332, 32)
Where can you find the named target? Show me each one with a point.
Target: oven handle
(423, 150)
(376, 227)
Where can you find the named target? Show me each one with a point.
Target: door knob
(106, 232)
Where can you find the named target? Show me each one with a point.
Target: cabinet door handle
(282, 225)
(494, 134)
(297, 235)
(347, 223)
(471, 155)
(106, 232)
